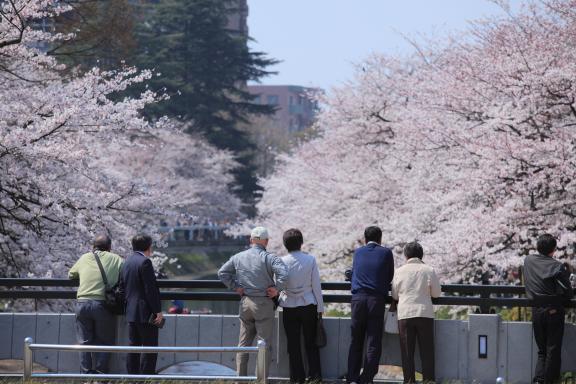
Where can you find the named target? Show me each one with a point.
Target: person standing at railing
(414, 285)
(95, 325)
(302, 306)
(372, 273)
(251, 274)
(143, 307)
(547, 283)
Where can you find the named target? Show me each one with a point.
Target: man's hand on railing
(159, 317)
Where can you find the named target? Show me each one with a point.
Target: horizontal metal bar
(120, 348)
(217, 284)
(153, 378)
(328, 298)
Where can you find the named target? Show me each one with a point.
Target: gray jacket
(254, 270)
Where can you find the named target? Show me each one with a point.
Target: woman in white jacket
(302, 305)
(414, 285)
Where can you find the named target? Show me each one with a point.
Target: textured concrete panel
(329, 354)
(47, 332)
(210, 335)
(187, 328)
(6, 323)
(68, 362)
(167, 338)
(519, 352)
(483, 370)
(446, 348)
(230, 332)
(24, 326)
(343, 346)
(463, 340)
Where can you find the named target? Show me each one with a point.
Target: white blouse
(303, 284)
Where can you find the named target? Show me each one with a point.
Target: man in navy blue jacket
(372, 273)
(138, 282)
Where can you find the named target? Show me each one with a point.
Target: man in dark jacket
(372, 273)
(548, 286)
(142, 302)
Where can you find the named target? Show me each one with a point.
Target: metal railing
(30, 347)
(483, 296)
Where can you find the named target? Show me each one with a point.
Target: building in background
(296, 109)
(238, 19)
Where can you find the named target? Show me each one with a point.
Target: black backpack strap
(101, 269)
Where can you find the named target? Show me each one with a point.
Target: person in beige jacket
(414, 285)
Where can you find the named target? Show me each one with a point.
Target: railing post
(28, 360)
(261, 363)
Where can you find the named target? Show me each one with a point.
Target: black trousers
(421, 329)
(367, 325)
(548, 326)
(300, 320)
(141, 334)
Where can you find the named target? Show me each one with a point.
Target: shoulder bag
(391, 319)
(113, 296)
(321, 339)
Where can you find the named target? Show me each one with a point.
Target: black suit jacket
(138, 282)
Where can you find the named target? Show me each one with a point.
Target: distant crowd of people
(265, 281)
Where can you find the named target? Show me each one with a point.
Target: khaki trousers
(256, 319)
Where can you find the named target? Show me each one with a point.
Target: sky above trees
(348, 31)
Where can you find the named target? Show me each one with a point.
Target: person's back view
(372, 273)
(138, 282)
(95, 325)
(547, 283)
(414, 285)
(251, 274)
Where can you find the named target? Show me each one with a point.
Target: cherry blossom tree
(77, 159)
(467, 146)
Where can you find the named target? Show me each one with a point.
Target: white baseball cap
(259, 233)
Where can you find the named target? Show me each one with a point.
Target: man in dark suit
(142, 301)
(372, 273)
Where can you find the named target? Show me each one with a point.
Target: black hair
(546, 244)
(102, 243)
(141, 243)
(293, 239)
(413, 249)
(373, 233)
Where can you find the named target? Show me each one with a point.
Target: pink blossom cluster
(468, 146)
(75, 161)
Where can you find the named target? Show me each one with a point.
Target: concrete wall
(511, 352)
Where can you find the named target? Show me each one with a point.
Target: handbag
(113, 295)
(391, 320)
(321, 339)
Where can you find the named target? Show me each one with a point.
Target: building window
(291, 100)
(272, 100)
(256, 99)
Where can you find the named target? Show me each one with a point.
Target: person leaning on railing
(95, 325)
(547, 283)
(414, 285)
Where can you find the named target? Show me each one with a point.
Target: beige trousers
(256, 319)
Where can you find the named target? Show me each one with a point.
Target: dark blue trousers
(94, 326)
(367, 326)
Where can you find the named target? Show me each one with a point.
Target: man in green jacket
(95, 325)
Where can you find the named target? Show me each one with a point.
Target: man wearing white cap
(251, 274)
